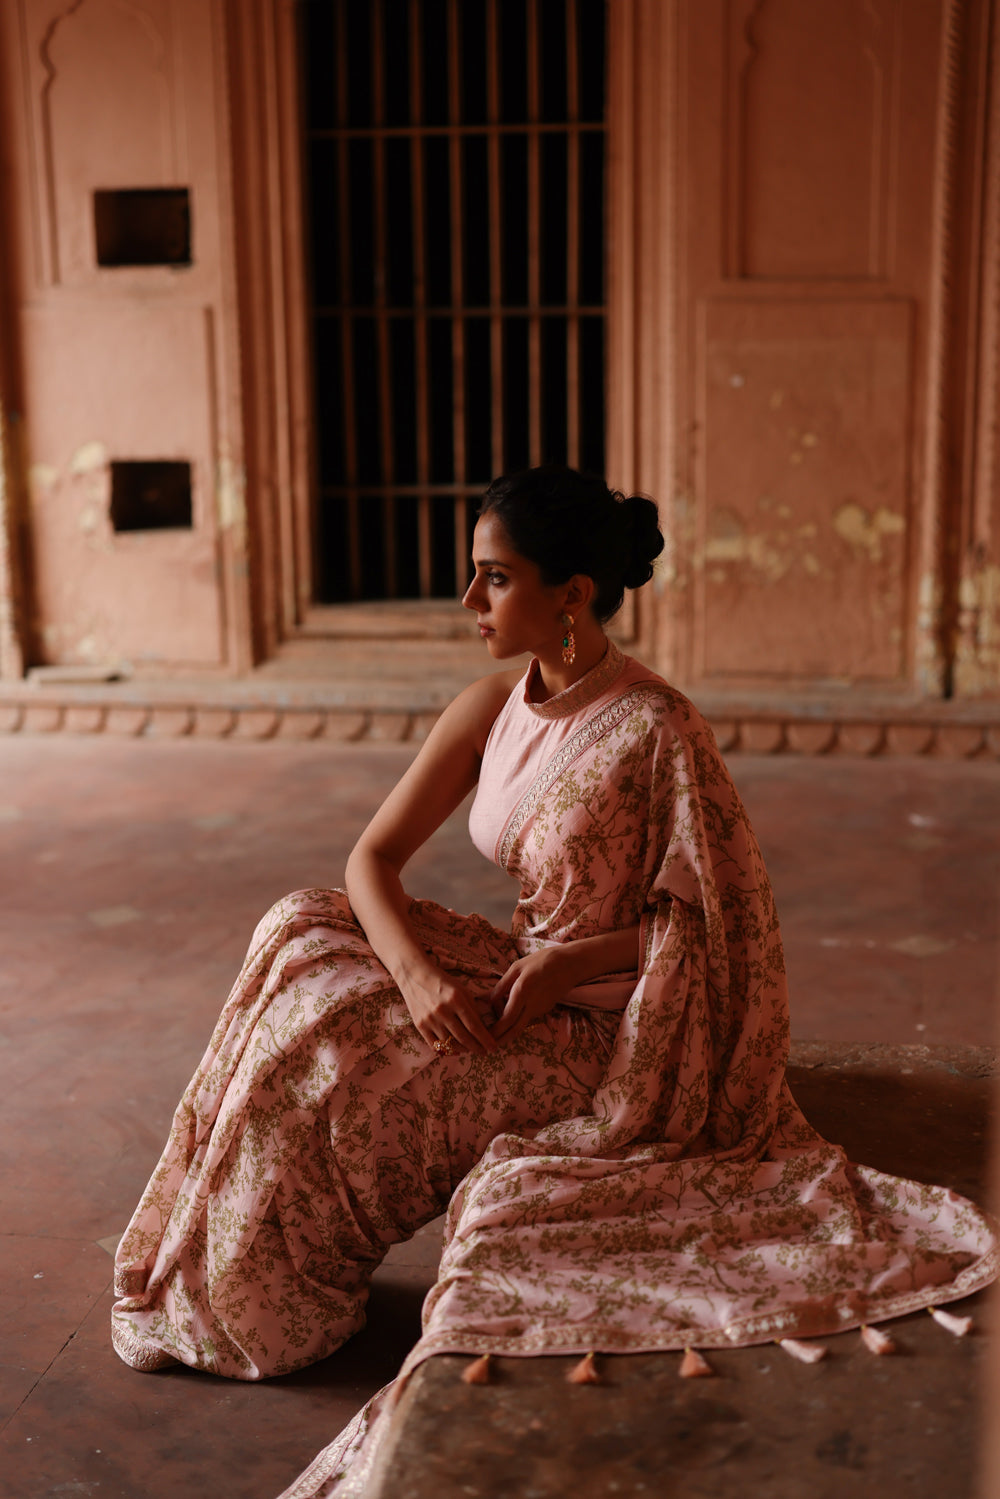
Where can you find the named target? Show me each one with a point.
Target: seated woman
(599, 1092)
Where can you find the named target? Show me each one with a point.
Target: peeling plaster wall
(977, 666)
(801, 188)
(135, 363)
(800, 563)
(782, 266)
(11, 652)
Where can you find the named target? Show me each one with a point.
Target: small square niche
(150, 495)
(142, 226)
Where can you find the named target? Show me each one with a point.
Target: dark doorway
(455, 176)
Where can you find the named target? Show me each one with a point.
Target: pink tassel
(478, 1372)
(876, 1341)
(806, 1353)
(958, 1325)
(585, 1372)
(693, 1366)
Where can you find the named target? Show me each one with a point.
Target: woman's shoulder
(674, 712)
(477, 707)
(487, 695)
(639, 678)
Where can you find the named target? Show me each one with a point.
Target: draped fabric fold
(691, 1202)
(631, 1174)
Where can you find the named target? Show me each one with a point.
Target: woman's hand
(535, 983)
(532, 986)
(444, 1014)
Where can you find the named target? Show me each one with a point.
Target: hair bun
(643, 538)
(566, 522)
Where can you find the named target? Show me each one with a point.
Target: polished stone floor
(133, 873)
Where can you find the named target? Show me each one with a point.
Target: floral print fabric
(690, 1202)
(319, 1130)
(625, 1180)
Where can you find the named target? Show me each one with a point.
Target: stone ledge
(259, 714)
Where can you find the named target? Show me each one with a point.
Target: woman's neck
(555, 676)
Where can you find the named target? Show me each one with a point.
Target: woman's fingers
(446, 1016)
(512, 1017)
(471, 1033)
(533, 985)
(505, 982)
(459, 1030)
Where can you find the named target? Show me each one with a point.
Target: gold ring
(443, 1048)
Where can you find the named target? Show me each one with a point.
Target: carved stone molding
(643, 117)
(860, 40)
(786, 731)
(930, 645)
(262, 45)
(11, 605)
(977, 559)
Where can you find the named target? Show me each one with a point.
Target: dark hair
(566, 522)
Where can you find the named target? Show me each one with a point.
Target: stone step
(765, 1424)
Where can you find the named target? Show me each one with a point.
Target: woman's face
(515, 610)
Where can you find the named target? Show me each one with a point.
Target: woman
(599, 1092)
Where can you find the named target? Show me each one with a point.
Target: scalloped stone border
(757, 732)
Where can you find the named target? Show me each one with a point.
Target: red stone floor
(133, 874)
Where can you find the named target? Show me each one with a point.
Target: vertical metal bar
(495, 251)
(457, 223)
(534, 249)
(346, 318)
(384, 352)
(421, 359)
(572, 239)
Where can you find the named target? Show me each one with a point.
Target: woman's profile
(596, 1096)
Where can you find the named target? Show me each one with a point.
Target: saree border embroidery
(742, 1333)
(595, 728)
(588, 689)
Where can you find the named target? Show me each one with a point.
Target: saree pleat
(318, 1131)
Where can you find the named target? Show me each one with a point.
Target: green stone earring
(569, 642)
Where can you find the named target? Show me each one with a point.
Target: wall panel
(809, 148)
(801, 560)
(809, 105)
(125, 361)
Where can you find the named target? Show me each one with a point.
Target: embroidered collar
(587, 690)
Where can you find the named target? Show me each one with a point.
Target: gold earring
(569, 643)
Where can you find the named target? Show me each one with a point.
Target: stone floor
(133, 872)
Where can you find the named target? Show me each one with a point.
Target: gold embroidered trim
(594, 729)
(129, 1282)
(588, 689)
(134, 1352)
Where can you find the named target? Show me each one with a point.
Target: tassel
(958, 1325)
(693, 1366)
(585, 1372)
(876, 1341)
(806, 1353)
(478, 1372)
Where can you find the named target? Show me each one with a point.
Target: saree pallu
(691, 1203)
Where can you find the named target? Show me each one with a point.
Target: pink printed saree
(632, 1175)
(689, 1203)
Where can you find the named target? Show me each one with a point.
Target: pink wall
(123, 363)
(803, 339)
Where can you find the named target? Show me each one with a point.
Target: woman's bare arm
(443, 773)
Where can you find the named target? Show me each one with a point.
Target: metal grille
(456, 174)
